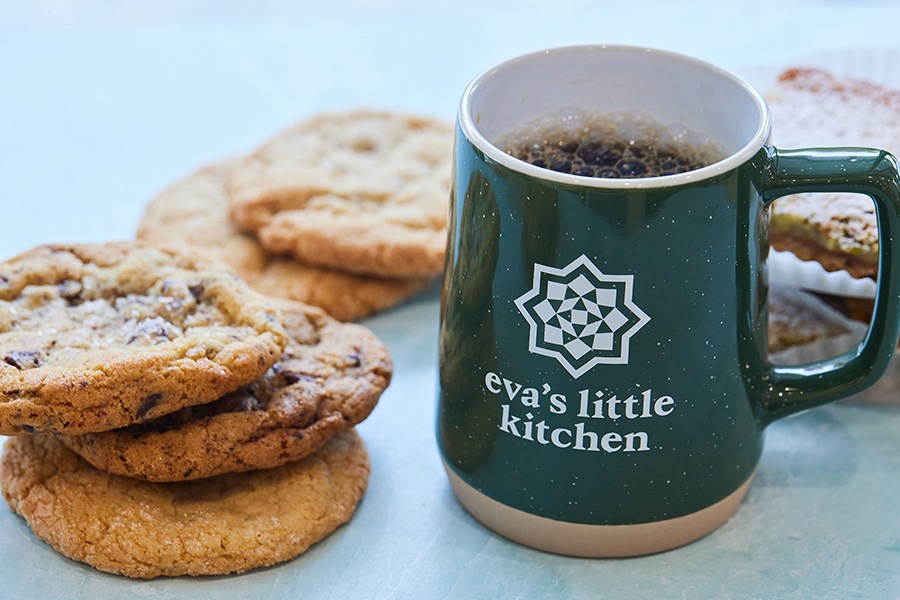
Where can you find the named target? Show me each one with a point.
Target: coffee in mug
(579, 142)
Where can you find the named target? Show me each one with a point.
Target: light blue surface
(96, 117)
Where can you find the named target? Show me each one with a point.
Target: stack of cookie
(168, 420)
(813, 107)
(345, 211)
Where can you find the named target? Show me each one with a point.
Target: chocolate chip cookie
(192, 214)
(226, 524)
(328, 379)
(99, 336)
(362, 191)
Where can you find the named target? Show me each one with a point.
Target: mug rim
(732, 161)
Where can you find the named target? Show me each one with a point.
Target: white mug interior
(672, 89)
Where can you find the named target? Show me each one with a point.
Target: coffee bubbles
(609, 146)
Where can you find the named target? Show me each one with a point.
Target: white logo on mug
(579, 316)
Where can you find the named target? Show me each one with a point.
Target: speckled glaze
(662, 414)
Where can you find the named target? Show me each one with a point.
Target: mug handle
(787, 390)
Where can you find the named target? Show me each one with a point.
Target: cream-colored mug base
(597, 541)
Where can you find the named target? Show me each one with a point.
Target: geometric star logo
(579, 316)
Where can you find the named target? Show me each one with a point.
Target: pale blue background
(102, 104)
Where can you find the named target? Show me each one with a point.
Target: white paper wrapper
(786, 268)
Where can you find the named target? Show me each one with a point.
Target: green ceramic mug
(604, 380)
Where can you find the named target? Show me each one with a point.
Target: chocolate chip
(196, 291)
(70, 290)
(148, 404)
(187, 473)
(148, 327)
(23, 359)
(28, 429)
(354, 359)
(294, 377)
